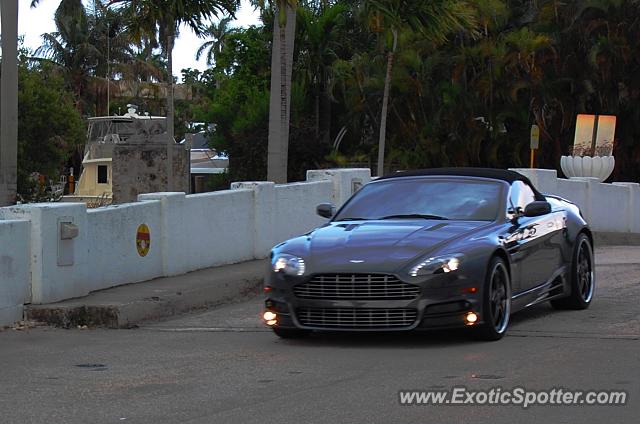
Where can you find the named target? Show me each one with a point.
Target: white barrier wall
(113, 258)
(291, 215)
(186, 233)
(606, 207)
(204, 230)
(57, 268)
(14, 269)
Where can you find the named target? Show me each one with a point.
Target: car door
(531, 241)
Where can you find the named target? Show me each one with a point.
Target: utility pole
(9, 103)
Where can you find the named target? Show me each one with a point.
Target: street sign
(535, 137)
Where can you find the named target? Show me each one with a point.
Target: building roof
(491, 173)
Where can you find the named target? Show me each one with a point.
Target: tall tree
(218, 34)
(160, 20)
(435, 20)
(321, 38)
(284, 31)
(9, 102)
(72, 47)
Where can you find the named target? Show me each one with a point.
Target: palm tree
(320, 40)
(9, 103)
(434, 19)
(284, 31)
(72, 47)
(159, 21)
(218, 34)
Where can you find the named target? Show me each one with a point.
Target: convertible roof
(491, 173)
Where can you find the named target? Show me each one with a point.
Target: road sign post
(535, 143)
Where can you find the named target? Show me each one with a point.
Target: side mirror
(326, 210)
(537, 208)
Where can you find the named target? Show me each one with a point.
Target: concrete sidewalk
(127, 305)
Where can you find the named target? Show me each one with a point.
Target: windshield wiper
(414, 215)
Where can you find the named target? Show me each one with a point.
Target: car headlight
(288, 264)
(436, 265)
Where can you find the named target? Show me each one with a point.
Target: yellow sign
(535, 137)
(143, 240)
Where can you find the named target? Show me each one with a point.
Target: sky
(32, 22)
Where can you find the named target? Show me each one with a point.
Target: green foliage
(50, 129)
(457, 98)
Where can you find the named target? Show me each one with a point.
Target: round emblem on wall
(143, 240)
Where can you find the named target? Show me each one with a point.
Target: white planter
(599, 167)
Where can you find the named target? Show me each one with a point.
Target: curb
(602, 238)
(126, 306)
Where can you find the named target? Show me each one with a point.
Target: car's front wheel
(496, 302)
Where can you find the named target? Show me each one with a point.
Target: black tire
(583, 280)
(290, 333)
(496, 302)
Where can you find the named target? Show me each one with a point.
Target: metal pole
(532, 161)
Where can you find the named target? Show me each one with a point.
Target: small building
(128, 155)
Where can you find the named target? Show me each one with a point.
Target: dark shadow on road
(417, 339)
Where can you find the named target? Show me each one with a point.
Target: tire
(496, 302)
(290, 333)
(583, 280)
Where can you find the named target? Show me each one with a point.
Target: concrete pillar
(345, 181)
(59, 264)
(633, 207)
(15, 282)
(264, 208)
(9, 103)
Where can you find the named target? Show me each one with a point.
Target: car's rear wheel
(496, 302)
(583, 280)
(290, 333)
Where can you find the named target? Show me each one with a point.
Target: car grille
(355, 318)
(356, 287)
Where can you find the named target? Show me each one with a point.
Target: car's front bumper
(443, 301)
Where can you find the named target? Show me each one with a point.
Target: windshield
(424, 198)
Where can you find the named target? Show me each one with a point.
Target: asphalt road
(222, 366)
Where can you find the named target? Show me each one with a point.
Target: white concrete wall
(606, 207)
(210, 229)
(204, 230)
(292, 216)
(14, 270)
(113, 258)
(187, 233)
(345, 181)
(51, 281)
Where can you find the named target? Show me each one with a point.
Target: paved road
(221, 366)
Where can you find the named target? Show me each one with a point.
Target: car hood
(379, 246)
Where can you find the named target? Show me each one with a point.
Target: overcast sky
(34, 22)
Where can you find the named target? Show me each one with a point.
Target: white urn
(599, 167)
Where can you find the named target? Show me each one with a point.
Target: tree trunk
(325, 111)
(170, 112)
(279, 104)
(9, 103)
(385, 106)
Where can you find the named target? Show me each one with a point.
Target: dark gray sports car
(439, 248)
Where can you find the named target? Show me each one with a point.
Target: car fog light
(270, 318)
(471, 318)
